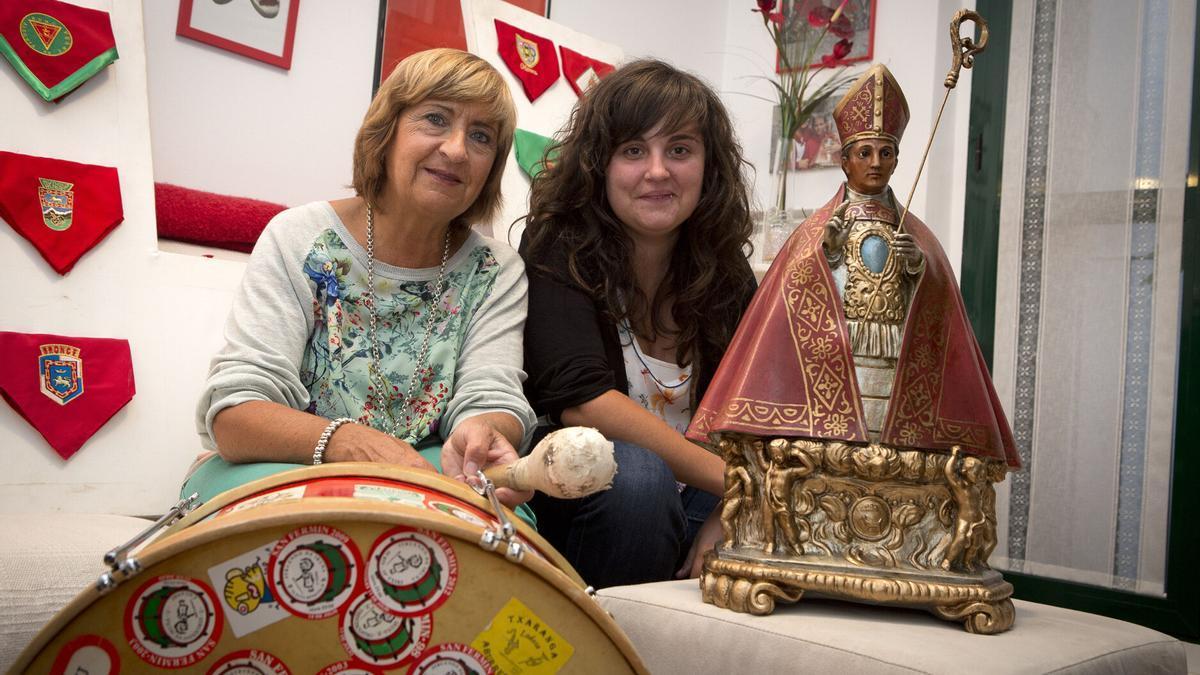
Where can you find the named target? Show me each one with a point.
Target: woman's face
(440, 157)
(653, 182)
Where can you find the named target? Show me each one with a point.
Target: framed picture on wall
(409, 26)
(802, 21)
(260, 29)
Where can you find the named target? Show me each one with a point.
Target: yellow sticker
(518, 642)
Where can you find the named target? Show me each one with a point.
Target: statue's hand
(837, 231)
(908, 252)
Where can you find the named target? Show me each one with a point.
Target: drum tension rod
(121, 567)
(505, 533)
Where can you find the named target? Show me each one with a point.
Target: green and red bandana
(531, 58)
(55, 46)
(62, 208)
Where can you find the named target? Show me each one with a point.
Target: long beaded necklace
(663, 387)
(380, 398)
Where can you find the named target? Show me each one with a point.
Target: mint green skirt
(216, 475)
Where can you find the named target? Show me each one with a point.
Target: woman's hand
(360, 443)
(476, 444)
(706, 539)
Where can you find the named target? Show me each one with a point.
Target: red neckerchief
(530, 57)
(66, 387)
(582, 71)
(62, 208)
(55, 46)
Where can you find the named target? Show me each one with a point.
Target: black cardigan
(572, 351)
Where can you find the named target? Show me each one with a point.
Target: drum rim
(422, 477)
(333, 510)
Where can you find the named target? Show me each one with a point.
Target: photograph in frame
(263, 30)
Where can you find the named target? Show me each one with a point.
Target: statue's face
(868, 165)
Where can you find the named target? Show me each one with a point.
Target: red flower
(765, 6)
(842, 27)
(776, 18)
(819, 16)
(841, 49)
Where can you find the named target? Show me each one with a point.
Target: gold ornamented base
(982, 601)
(868, 523)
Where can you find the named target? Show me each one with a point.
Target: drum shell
(486, 584)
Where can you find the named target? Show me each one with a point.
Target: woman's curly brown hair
(570, 215)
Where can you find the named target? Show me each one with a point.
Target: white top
(662, 387)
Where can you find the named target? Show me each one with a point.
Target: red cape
(789, 370)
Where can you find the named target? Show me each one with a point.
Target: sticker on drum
(314, 570)
(347, 668)
(89, 654)
(458, 512)
(518, 641)
(282, 495)
(249, 662)
(411, 571)
(452, 658)
(249, 603)
(375, 637)
(386, 493)
(173, 622)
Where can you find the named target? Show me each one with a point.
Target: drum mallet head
(569, 463)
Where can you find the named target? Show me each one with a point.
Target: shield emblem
(61, 372)
(58, 203)
(528, 51)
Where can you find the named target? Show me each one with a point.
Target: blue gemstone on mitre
(874, 253)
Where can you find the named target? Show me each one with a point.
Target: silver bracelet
(319, 451)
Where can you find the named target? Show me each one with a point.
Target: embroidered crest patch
(58, 203)
(45, 34)
(61, 371)
(528, 51)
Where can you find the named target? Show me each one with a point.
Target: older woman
(635, 245)
(372, 328)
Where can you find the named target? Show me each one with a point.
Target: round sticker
(89, 654)
(173, 622)
(411, 571)
(249, 662)
(314, 571)
(347, 668)
(45, 34)
(458, 512)
(371, 635)
(452, 658)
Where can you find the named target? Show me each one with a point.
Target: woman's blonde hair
(449, 75)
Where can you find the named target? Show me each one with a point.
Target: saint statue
(855, 411)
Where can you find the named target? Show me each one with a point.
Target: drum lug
(505, 532)
(121, 565)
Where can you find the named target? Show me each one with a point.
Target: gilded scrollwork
(861, 509)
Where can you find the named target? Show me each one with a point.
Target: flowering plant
(798, 95)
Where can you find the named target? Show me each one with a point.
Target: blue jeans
(636, 532)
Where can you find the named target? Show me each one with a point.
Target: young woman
(635, 247)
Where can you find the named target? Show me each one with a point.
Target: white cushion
(45, 561)
(675, 632)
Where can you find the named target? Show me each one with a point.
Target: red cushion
(210, 219)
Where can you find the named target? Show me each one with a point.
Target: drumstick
(569, 463)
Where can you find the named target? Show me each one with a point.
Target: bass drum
(339, 568)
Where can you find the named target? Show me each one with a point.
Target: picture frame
(263, 30)
(409, 26)
(798, 30)
(816, 144)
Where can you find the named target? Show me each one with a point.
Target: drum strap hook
(504, 533)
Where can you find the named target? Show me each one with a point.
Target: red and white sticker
(347, 668)
(452, 658)
(411, 571)
(286, 494)
(249, 662)
(314, 570)
(89, 654)
(376, 638)
(459, 512)
(173, 622)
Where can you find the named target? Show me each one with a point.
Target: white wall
(169, 307)
(227, 123)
